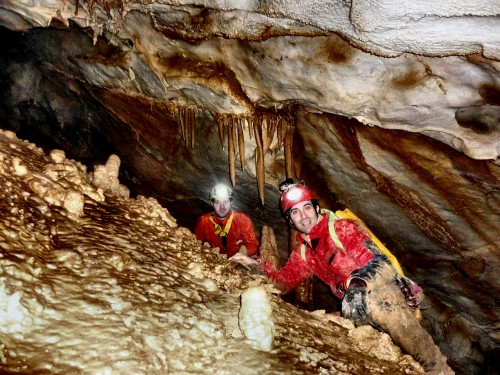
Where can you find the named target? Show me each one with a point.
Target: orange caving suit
(241, 232)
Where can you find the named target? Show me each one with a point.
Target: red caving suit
(386, 306)
(241, 232)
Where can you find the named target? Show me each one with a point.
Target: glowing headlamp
(221, 191)
(294, 194)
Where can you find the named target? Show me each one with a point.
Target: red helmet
(294, 194)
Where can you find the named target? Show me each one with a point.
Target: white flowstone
(255, 318)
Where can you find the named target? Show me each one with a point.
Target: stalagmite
(19, 168)
(241, 143)
(106, 177)
(268, 250)
(113, 165)
(255, 318)
(58, 156)
(74, 202)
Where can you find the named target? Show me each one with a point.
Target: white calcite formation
(255, 318)
(120, 288)
(106, 177)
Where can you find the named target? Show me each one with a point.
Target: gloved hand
(354, 304)
(412, 292)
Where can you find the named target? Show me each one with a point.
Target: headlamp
(294, 194)
(221, 191)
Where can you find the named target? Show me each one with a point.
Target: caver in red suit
(229, 230)
(241, 232)
(342, 254)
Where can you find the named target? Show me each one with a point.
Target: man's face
(304, 216)
(222, 207)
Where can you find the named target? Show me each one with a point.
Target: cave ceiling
(389, 108)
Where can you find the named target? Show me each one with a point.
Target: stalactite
(177, 117)
(264, 127)
(268, 135)
(192, 121)
(234, 128)
(288, 149)
(220, 124)
(250, 127)
(180, 119)
(259, 161)
(186, 118)
(230, 149)
(241, 143)
(279, 132)
(185, 123)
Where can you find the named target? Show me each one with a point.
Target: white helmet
(221, 191)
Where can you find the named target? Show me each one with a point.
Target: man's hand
(354, 304)
(247, 263)
(244, 259)
(412, 292)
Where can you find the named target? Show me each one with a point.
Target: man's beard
(225, 214)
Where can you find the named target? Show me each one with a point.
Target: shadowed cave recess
(198, 110)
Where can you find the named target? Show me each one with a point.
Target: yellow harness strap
(348, 214)
(218, 229)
